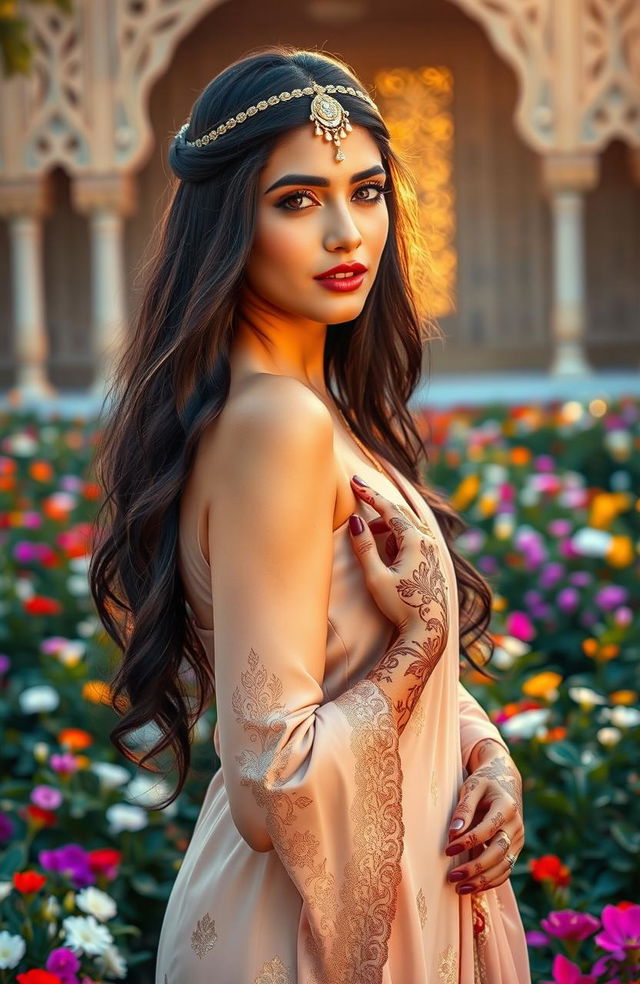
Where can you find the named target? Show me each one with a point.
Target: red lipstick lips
(352, 275)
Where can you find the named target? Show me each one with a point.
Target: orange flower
(92, 490)
(520, 455)
(590, 646)
(542, 684)
(7, 483)
(41, 471)
(28, 881)
(549, 867)
(558, 733)
(83, 761)
(75, 739)
(620, 552)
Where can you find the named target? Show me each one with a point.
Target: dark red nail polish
(457, 875)
(454, 849)
(355, 524)
(360, 481)
(465, 889)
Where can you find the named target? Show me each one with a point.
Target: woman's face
(313, 214)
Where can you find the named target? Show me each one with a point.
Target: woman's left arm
(489, 804)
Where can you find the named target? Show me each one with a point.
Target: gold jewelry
(501, 830)
(330, 117)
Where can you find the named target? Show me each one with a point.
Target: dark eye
(379, 189)
(283, 203)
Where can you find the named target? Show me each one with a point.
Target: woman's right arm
(305, 777)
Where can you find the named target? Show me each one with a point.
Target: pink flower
(520, 626)
(565, 972)
(568, 924)
(46, 797)
(63, 763)
(621, 930)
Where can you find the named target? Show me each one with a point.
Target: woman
(275, 350)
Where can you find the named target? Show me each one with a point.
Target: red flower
(549, 867)
(39, 605)
(46, 817)
(38, 977)
(28, 881)
(105, 861)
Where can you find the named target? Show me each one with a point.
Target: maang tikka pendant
(330, 118)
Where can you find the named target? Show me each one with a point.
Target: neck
(268, 339)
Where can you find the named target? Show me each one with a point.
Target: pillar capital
(570, 172)
(113, 192)
(26, 197)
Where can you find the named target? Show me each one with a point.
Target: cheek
(281, 245)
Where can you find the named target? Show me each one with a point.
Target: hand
(490, 805)
(412, 591)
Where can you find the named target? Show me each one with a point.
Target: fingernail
(457, 824)
(355, 524)
(465, 889)
(360, 481)
(457, 875)
(454, 849)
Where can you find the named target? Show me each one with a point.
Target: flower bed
(550, 492)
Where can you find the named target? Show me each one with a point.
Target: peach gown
(354, 887)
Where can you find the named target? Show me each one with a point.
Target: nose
(342, 233)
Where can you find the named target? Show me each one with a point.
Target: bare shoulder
(273, 430)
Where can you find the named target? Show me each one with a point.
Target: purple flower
(71, 483)
(611, 596)
(567, 924)
(26, 552)
(6, 828)
(66, 762)
(31, 520)
(621, 930)
(46, 797)
(623, 615)
(71, 860)
(568, 599)
(581, 579)
(560, 527)
(544, 463)
(565, 972)
(5, 663)
(551, 574)
(536, 938)
(488, 564)
(63, 962)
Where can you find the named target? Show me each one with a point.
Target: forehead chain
(330, 118)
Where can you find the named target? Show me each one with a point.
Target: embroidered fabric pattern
(448, 966)
(481, 926)
(353, 927)
(204, 936)
(274, 972)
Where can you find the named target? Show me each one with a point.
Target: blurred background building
(520, 118)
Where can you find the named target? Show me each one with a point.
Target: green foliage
(16, 45)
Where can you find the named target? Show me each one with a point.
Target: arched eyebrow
(310, 179)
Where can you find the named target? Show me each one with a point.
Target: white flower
(503, 525)
(64, 501)
(495, 474)
(111, 963)
(590, 542)
(122, 816)
(525, 724)
(41, 751)
(515, 647)
(624, 717)
(148, 791)
(586, 697)
(111, 774)
(145, 736)
(5, 888)
(12, 950)
(619, 443)
(97, 903)
(202, 729)
(86, 935)
(502, 659)
(87, 627)
(24, 589)
(21, 444)
(80, 565)
(608, 736)
(77, 586)
(35, 700)
(71, 652)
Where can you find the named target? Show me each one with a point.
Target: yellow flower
(623, 697)
(605, 506)
(466, 491)
(542, 685)
(620, 552)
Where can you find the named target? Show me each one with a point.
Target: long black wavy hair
(172, 379)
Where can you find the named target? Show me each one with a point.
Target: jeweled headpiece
(331, 119)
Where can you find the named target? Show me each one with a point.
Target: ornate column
(24, 204)
(106, 201)
(566, 179)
